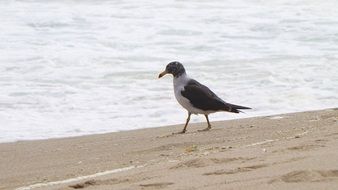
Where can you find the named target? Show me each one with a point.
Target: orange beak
(162, 74)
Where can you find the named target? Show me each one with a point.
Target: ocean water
(75, 67)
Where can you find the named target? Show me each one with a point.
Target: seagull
(195, 97)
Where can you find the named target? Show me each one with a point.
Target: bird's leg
(186, 124)
(209, 125)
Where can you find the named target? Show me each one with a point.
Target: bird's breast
(181, 99)
(179, 84)
(184, 102)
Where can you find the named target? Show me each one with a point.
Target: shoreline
(155, 127)
(270, 147)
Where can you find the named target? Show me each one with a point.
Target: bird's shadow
(186, 133)
(177, 134)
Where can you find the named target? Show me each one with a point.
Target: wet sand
(289, 151)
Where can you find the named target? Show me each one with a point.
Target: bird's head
(175, 68)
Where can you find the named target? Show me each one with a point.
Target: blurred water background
(74, 67)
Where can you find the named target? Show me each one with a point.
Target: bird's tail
(234, 108)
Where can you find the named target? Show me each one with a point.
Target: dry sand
(291, 151)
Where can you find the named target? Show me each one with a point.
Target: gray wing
(202, 97)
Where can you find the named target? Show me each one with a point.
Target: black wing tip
(236, 108)
(245, 108)
(233, 106)
(239, 111)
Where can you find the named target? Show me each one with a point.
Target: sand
(289, 151)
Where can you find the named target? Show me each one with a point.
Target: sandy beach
(289, 151)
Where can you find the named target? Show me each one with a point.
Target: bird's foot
(181, 132)
(206, 129)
